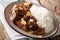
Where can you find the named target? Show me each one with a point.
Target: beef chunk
(21, 13)
(34, 27)
(40, 31)
(20, 25)
(26, 8)
(26, 18)
(16, 18)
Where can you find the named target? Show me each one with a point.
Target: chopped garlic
(30, 32)
(13, 12)
(39, 25)
(22, 18)
(31, 20)
(27, 3)
(23, 21)
(15, 6)
(40, 36)
(21, 8)
(28, 13)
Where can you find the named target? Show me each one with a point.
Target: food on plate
(32, 18)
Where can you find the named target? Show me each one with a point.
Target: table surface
(3, 33)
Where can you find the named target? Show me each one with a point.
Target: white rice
(43, 17)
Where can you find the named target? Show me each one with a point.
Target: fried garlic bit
(23, 21)
(31, 20)
(28, 13)
(21, 8)
(15, 6)
(30, 32)
(40, 36)
(39, 25)
(13, 12)
(27, 3)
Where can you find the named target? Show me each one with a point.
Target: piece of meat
(26, 18)
(21, 6)
(34, 27)
(26, 8)
(30, 23)
(15, 7)
(40, 31)
(12, 15)
(21, 13)
(20, 25)
(15, 16)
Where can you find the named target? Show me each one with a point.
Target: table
(3, 33)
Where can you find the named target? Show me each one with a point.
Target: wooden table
(3, 33)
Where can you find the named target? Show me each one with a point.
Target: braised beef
(24, 19)
(40, 31)
(20, 25)
(34, 27)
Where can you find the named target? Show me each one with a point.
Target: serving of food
(24, 19)
(33, 19)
